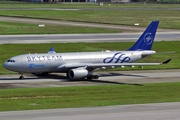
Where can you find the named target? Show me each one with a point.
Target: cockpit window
(10, 60)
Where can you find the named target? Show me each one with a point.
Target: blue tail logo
(146, 40)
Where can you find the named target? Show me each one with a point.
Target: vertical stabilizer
(51, 50)
(146, 40)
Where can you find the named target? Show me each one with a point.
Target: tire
(21, 77)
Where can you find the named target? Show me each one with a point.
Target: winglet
(167, 61)
(51, 50)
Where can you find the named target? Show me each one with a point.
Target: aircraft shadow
(52, 76)
(62, 78)
(119, 74)
(113, 82)
(109, 82)
(16, 78)
(65, 79)
(35, 77)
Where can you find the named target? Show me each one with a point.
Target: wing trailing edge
(111, 65)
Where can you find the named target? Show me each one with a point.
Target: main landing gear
(93, 77)
(21, 76)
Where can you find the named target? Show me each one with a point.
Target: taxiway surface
(157, 111)
(65, 38)
(112, 77)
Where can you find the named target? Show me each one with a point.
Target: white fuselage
(58, 62)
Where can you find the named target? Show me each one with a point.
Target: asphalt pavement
(156, 111)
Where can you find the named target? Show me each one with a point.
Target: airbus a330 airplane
(81, 65)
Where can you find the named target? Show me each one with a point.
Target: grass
(26, 28)
(9, 50)
(69, 97)
(97, 14)
(83, 5)
(168, 18)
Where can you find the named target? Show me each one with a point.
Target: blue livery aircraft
(83, 64)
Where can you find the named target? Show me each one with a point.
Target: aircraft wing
(100, 65)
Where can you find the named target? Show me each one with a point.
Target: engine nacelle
(79, 73)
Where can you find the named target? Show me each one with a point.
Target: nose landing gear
(21, 76)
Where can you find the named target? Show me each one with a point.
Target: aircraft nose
(8, 66)
(5, 65)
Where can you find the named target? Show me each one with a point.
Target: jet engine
(80, 73)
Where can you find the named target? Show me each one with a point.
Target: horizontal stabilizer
(171, 52)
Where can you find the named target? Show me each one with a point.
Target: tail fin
(51, 50)
(146, 40)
